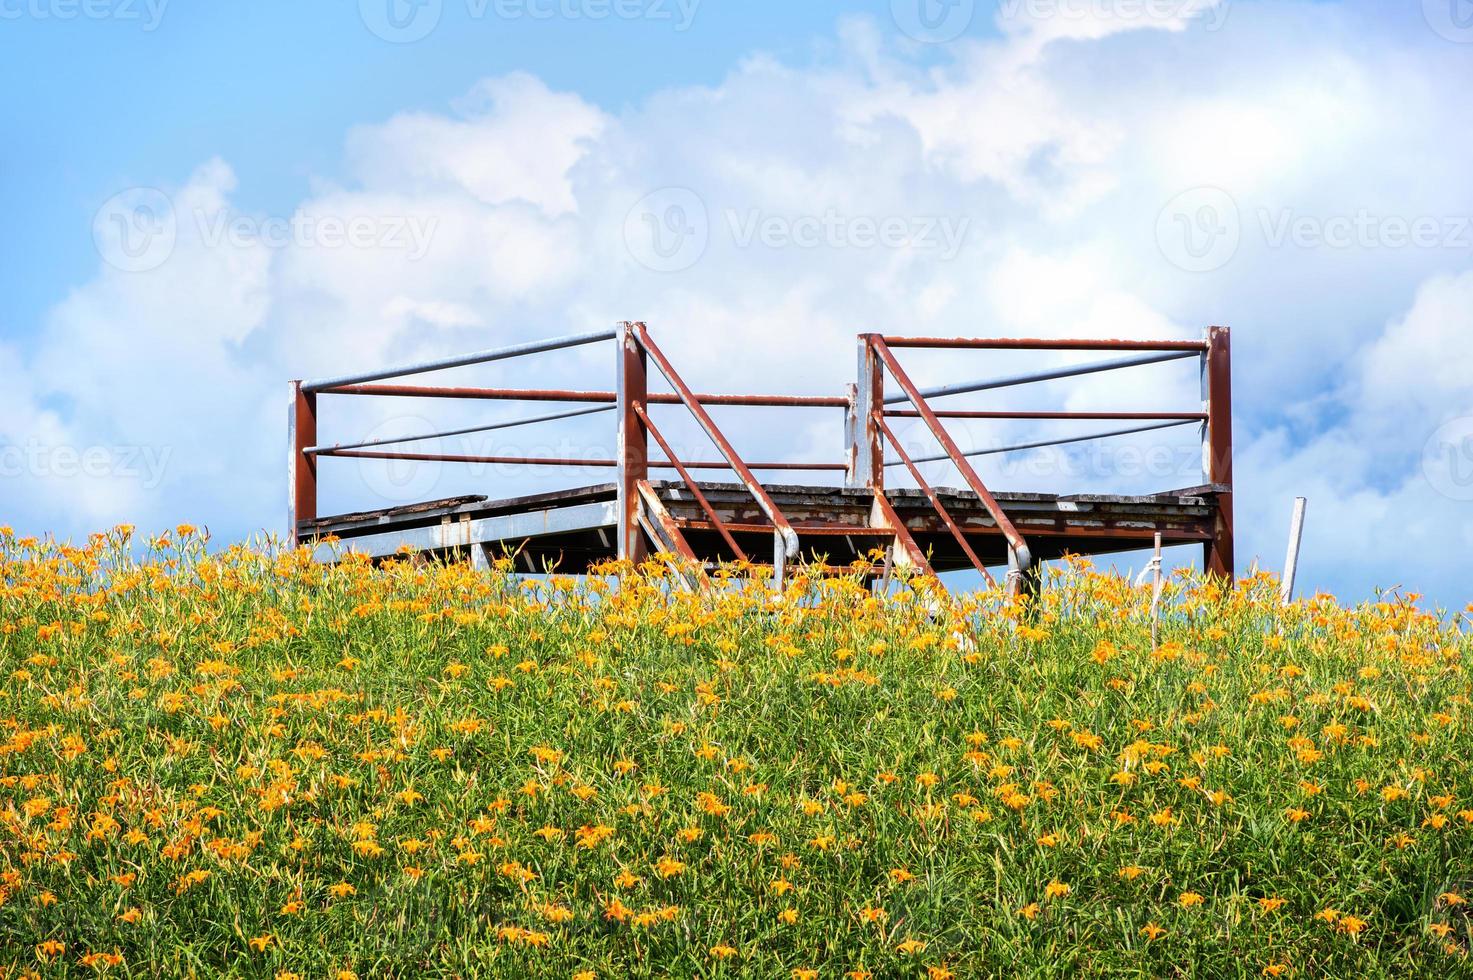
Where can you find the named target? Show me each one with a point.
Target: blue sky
(142, 95)
(1074, 147)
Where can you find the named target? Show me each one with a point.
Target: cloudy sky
(207, 200)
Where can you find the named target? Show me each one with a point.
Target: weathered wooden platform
(573, 529)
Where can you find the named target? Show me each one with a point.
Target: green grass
(914, 768)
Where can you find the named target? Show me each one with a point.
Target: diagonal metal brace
(953, 451)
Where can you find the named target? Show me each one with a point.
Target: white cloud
(511, 140)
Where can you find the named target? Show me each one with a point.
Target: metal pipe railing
(496, 426)
(664, 464)
(1058, 416)
(966, 387)
(1045, 343)
(1052, 442)
(463, 360)
(563, 395)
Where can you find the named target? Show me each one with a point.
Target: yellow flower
(1152, 931)
(1189, 899)
(723, 952)
(259, 943)
(1056, 889)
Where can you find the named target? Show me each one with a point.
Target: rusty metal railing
(630, 401)
(872, 431)
(641, 517)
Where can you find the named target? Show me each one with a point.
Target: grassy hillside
(251, 764)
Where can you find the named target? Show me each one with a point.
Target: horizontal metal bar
(1059, 416)
(1009, 343)
(452, 458)
(545, 461)
(715, 465)
(759, 401)
(562, 395)
(463, 360)
(1051, 375)
(1040, 445)
(514, 423)
(484, 394)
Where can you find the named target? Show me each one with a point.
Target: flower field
(240, 762)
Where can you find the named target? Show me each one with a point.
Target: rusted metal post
(301, 466)
(1217, 384)
(631, 394)
(866, 448)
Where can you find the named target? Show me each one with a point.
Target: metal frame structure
(707, 523)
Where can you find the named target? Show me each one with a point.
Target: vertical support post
(1156, 595)
(779, 561)
(868, 469)
(851, 436)
(1024, 583)
(1217, 446)
(1291, 561)
(301, 466)
(632, 393)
